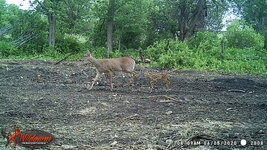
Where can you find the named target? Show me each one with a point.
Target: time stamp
(242, 142)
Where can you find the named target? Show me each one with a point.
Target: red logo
(31, 138)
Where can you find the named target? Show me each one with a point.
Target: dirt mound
(200, 106)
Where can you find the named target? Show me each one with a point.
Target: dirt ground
(199, 107)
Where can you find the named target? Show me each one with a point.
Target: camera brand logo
(30, 139)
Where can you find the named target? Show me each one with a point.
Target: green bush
(7, 49)
(178, 55)
(67, 44)
(51, 53)
(241, 36)
(134, 53)
(99, 52)
(204, 41)
(158, 49)
(176, 59)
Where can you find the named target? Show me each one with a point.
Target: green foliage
(133, 53)
(148, 24)
(73, 16)
(7, 49)
(99, 52)
(265, 38)
(234, 60)
(176, 59)
(50, 53)
(67, 44)
(163, 47)
(204, 41)
(249, 61)
(241, 36)
(129, 24)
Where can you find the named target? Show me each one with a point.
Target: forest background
(177, 34)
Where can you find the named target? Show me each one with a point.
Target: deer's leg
(151, 85)
(96, 77)
(110, 80)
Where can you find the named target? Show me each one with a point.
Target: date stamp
(242, 142)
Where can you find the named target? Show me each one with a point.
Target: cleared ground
(199, 106)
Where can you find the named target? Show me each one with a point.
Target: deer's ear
(88, 53)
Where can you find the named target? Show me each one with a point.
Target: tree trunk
(189, 24)
(109, 36)
(52, 27)
(183, 19)
(199, 15)
(110, 15)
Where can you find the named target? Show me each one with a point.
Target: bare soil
(203, 107)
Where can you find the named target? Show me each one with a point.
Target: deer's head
(87, 55)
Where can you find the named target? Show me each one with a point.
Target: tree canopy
(120, 24)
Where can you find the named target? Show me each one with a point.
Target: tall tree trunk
(183, 19)
(110, 15)
(198, 19)
(109, 36)
(189, 24)
(52, 27)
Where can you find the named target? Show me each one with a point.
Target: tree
(255, 14)
(75, 17)
(49, 7)
(122, 25)
(110, 16)
(182, 18)
(216, 11)
(28, 31)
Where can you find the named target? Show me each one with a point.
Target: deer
(153, 78)
(108, 66)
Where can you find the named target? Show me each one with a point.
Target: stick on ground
(64, 58)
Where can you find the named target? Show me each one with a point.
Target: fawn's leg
(133, 78)
(167, 83)
(151, 86)
(96, 77)
(110, 80)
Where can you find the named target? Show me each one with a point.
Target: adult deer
(108, 66)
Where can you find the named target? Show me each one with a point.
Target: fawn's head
(147, 74)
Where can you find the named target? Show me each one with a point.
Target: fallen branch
(164, 96)
(199, 137)
(169, 99)
(64, 58)
(133, 117)
(233, 90)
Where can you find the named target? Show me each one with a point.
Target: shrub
(134, 53)
(7, 49)
(67, 44)
(50, 53)
(241, 36)
(158, 49)
(176, 59)
(204, 41)
(99, 52)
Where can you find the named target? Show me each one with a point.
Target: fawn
(153, 78)
(108, 66)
